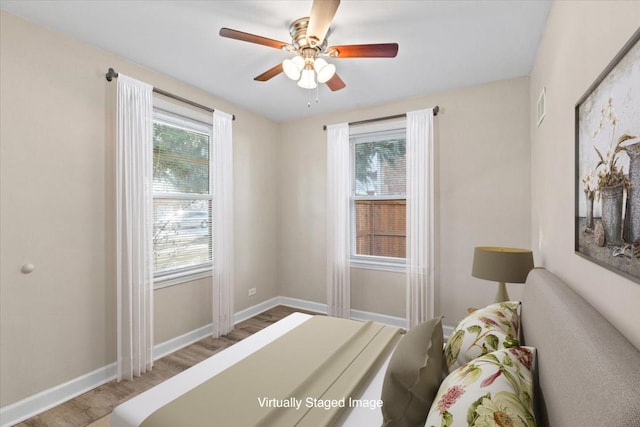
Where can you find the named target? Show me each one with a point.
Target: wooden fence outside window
(381, 228)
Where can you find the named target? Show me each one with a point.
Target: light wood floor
(98, 403)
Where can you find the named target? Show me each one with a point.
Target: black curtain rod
(111, 74)
(436, 109)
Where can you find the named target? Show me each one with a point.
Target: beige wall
(483, 185)
(580, 40)
(57, 195)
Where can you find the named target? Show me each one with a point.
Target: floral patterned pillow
(493, 390)
(491, 328)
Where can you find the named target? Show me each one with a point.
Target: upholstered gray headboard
(588, 373)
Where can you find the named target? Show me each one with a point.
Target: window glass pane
(181, 233)
(381, 228)
(180, 160)
(380, 167)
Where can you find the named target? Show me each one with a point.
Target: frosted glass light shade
(325, 70)
(293, 67)
(307, 81)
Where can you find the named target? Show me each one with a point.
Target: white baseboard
(47, 399)
(303, 304)
(399, 322)
(248, 313)
(175, 344)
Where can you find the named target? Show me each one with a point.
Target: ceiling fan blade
(271, 72)
(380, 50)
(252, 38)
(335, 83)
(322, 13)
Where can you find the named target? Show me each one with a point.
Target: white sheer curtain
(420, 216)
(134, 228)
(338, 220)
(222, 173)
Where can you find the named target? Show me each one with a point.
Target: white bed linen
(134, 411)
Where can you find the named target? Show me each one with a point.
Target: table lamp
(503, 265)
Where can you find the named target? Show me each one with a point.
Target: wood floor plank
(100, 402)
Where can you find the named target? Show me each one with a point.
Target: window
(379, 198)
(182, 199)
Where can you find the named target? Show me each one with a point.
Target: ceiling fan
(309, 41)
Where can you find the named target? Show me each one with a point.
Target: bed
(138, 409)
(588, 374)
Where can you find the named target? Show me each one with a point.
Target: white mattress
(133, 412)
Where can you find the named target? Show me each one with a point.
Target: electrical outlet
(252, 291)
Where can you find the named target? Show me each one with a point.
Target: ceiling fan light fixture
(309, 40)
(325, 70)
(293, 67)
(308, 79)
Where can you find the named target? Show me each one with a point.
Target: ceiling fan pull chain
(317, 98)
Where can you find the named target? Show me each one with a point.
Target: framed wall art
(607, 181)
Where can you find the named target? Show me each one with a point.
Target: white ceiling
(443, 44)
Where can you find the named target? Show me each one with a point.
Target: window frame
(358, 135)
(174, 115)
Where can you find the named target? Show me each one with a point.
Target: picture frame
(607, 166)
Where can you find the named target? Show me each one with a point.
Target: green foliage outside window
(180, 160)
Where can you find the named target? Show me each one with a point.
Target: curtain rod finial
(111, 74)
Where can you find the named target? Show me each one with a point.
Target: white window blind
(182, 199)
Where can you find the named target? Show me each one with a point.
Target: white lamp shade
(292, 67)
(307, 81)
(325, 70)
